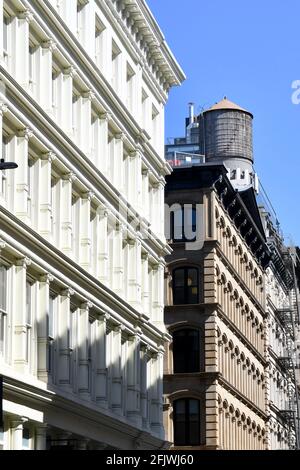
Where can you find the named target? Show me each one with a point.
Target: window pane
(179, 277)
(194, 425)
(3, 284)
(26, 436)
(192, 295)
(179, 296)
(192, 277)
(179, 423)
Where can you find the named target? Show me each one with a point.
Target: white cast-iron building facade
(83, 89)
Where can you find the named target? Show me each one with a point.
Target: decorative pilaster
(133, 381)
(16, 425)
(20, 151)
(116, 377)
(43, 74)
(64, 328)
(40, 437)
(118, 164)
(20, 47)
(20, 310)
(42, 326)
(145, 194)
(45, 208)
(101, 363)
(103, 143)
(83, 351)
(66, 213)
(145, 284)
(118, 261)
(85, 230)
(102, 274)
(65, 100)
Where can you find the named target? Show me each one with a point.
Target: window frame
(185, 285)
(187, 421)
(187, 353)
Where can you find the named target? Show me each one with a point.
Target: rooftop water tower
(226, 137)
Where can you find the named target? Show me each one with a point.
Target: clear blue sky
(250, 52)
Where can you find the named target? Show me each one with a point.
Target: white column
(135, 186)
(85, 231)
(84, 131)
(20, 47)
(41, 437)
(103, 143)
(88, 23)
(3, 110)
(102, 274)
(145, 284)
(161, 208)
(66, 213)
(17, 432)
(64, 327)
(20, 151)
(144, 387)
(65, 100)
(116, 385)
(118, 261)
(68, 11)
(19, 309)
(1, 31)
(45, 208)
(133, 381)
(101, 363)
(134, 273)
(157, 394)
(118, 164)
(83, 350)
(145, 193)
(42, 326)
(43, 63)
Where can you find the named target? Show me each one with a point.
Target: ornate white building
(83, 89)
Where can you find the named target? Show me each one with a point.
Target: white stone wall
(83, 90)
(279, 382)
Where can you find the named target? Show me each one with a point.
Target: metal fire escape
(289, 317)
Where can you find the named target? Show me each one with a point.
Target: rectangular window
(28, 319)
(26, 439)
(116, 62)
(130, 90)
(1, 440)
(3, 307)
(155, 128)
(32, 77)
(99, 44)
(5, 38)
(32, 174)
(3, 175)
(75, 225)
(50, 333)
(145, 110)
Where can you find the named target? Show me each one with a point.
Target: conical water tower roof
(227, 104)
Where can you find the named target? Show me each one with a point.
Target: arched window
(186, 351)
(185, 286)
(186, 422)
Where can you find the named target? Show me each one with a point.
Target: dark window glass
(186, 351)
(185, 286)
(186, 422)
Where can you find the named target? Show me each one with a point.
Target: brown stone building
(214, 377)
